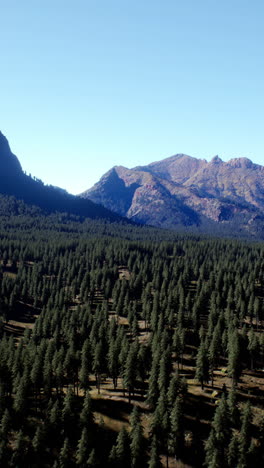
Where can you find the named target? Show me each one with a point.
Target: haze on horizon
(89, 85)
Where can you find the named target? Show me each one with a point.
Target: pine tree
(154, 461)
(221, 424)
(245, 434)
(123, 448)
(112, 459)
(232, 405)
(137, 447)
(87, 416)
(55, 416)
(113, 365)
(202, 365)
(234, 358)
(68, 411)
(164, 371)
(233, 451)
(20, 398)
(38, 443)
(64, 457)
(136, 439)
(153, 389)
(98, 362)
(130, 372)
(82, 449)
(5, 425)
(92, 461)
(212, 452)
(85, 365)
(176, 438)
(216, 447)
(252, 346)
(174, 389)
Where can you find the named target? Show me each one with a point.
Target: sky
(89, 84)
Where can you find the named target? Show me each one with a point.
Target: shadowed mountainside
(32, 191)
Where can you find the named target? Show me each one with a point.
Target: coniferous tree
(130, 371)
(233, 451)
(87, 416)
(122, 449)
(98, 361)
(153, 388)
(202, 364)
(234, 358)
(92, 461)
(68, 412)
(5, 425)
(64, 456)
(38, 444)
(85, 365)
(212, 452)
(252, 346)
(136, 440)
(176, 436)
(82, 449)
(245, 434)
(154, 461)
(232, 406)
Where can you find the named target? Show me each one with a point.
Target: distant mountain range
(14, 182)
(180, 192)
(213, 197)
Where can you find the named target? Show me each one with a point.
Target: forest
(128, 346)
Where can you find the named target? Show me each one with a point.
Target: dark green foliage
(121, 453)
(233, 451)
(176, 435)
(202, 364)
(64, 456)
(154, 461)
(181, 300)
(216, 447)
(82, 449)
(234, 356)
(245, 435)
(130, 370)
(136, 440)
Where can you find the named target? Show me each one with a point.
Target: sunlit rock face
(186, 191)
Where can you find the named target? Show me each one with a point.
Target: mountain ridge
(32, 191)
(183, 190)
(176, 192)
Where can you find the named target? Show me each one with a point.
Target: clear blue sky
(89, 84)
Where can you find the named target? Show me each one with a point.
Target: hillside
(14, 182)
(125, 345)
(123, 353)
(213, 196)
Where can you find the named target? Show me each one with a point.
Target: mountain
(213, 196)
(14, 182)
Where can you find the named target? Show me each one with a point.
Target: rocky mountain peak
(182, 190)
(242, 163)
(216, 160)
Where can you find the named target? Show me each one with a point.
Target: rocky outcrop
(185, 191)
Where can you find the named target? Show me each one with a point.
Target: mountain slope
(185, 191)
(14, 182)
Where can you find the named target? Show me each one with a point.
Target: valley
(127, 345)
(125, 351)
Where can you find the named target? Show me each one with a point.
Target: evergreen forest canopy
(127, 346)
